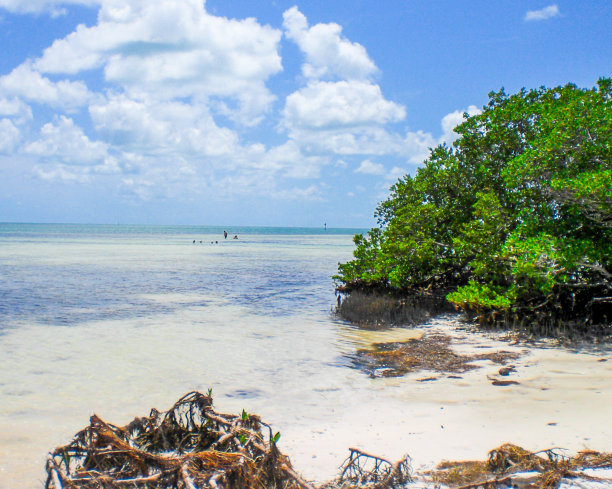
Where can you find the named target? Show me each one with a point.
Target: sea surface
(118, 319)
(115, 320)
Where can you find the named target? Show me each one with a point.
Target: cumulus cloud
(452, 120)
(370, 168)
(16, 109)
(289, 161)
(168, 82)
(343, 103)
(171, 49)
(328, 54)
(53, 7)
(27, 83)
(543, 14)
(310, 193)
(161, 127)
(9, 136)
(64, 141)
(340, 110)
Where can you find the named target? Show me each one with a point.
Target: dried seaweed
(189, 446)
(432, 352)
(508, 460)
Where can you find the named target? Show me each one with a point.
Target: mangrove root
(190, 446)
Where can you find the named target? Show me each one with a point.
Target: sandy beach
(562, 399)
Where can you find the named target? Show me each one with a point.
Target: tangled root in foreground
(192, 446)
(189, 446)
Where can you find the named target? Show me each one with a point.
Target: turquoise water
(63, 274)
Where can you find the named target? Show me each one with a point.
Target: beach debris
(192, 446)
(366, 471)
(431, 352)
(503, 383)
(505, 371)
(512, 466)
(189, 446)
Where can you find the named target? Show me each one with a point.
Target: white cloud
(9, 136)
(543, 14)
(171, 49)
(396, 172)
(161, 127)
(16, 109)
(65, 142)
(289, 161)
(415, 146)
(60, 173)
(171, 82)
(452, 120)
(311, 193)
(328, 54)
(370, 168)
(343, 103)
(27, 83)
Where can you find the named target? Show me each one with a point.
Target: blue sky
(258, 113)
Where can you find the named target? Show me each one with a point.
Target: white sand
(563, 399)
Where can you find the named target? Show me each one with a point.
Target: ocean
(118, 319)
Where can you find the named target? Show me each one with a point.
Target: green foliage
(515, 220)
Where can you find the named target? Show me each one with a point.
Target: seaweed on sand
(431, 352)
(541, 470)
(191, 445)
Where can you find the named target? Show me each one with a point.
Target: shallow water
(118, 320)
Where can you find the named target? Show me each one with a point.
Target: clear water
(118, 319)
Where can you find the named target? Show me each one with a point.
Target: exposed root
(375, 309)
(364, 470)
(190, 446)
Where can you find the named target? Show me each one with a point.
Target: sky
(269, 113)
